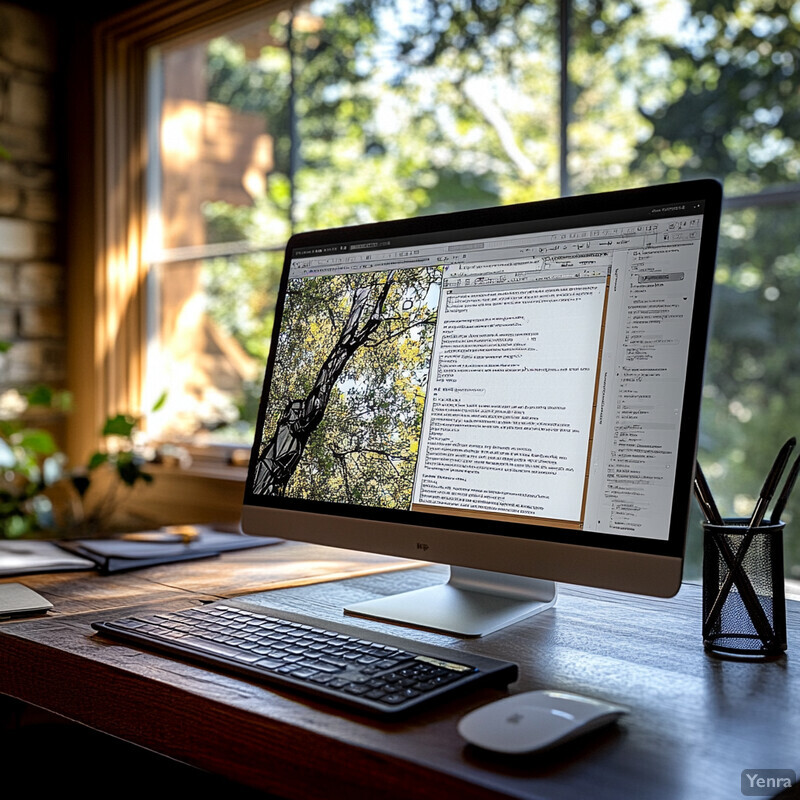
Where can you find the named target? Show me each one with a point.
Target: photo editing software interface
(529, 373)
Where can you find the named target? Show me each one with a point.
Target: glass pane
(663, 91)
(423, 108)
(335, 112)
(752, 395)
(222, 216)
(223, 133)
(325, 114)
(715, 89)
(215, 327)
(621, 70)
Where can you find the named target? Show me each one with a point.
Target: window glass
(751, 401)
(218, 224)
(325, 114)
(726, 108)
(617, 65)
(336, 112)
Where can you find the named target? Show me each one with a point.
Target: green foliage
(364, 449)
(97, 460)
(729, 108)
(29, 459)
(262, 85)
(160, 402)
(241, 294)
(752, 394)
(119, 425)
(31, 464)
(732, 108)
(120, 453)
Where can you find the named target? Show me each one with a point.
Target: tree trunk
(301, 417)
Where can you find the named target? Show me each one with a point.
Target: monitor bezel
(641, 565)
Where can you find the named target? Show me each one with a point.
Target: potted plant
(39, 491)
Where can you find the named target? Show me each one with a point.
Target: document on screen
(511, 392)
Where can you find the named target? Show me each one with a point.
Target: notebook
(120, 554)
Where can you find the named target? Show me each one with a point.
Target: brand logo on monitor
(422, 546)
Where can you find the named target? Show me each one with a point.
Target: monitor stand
(473, 602)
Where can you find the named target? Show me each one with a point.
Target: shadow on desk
(52, 754)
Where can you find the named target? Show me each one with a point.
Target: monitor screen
(513, 390)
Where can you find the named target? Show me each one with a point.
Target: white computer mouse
(531, 721)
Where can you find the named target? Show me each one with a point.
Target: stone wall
(32, 281)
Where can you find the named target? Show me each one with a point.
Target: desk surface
(695, 723)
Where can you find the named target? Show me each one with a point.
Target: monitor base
(473, 602)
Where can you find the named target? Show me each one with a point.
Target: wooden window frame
(106, 213)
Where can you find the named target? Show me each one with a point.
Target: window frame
(108, 284)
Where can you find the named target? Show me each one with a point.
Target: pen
(704, 497)
(783, 497)
(771, 483)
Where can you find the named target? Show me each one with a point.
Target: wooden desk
(696, 722)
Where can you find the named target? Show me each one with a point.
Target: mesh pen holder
(744, 604)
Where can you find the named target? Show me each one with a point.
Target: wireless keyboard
(364, 670)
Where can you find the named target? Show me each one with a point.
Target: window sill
(209, 494)
(204, 470)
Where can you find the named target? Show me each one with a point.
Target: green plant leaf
(119, 425)
(17, 525)
(97, 459)
(8, 427)
(62, 401)
(40, 396)
(159, 404)
(47, 397)
(35, 441)
(129, 471)
(5, 346)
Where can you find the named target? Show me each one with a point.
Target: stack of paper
(19, 557)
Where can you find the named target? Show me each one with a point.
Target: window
(264, 119)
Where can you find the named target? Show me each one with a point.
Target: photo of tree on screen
(348, 390)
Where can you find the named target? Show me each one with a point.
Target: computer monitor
(511, 391)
